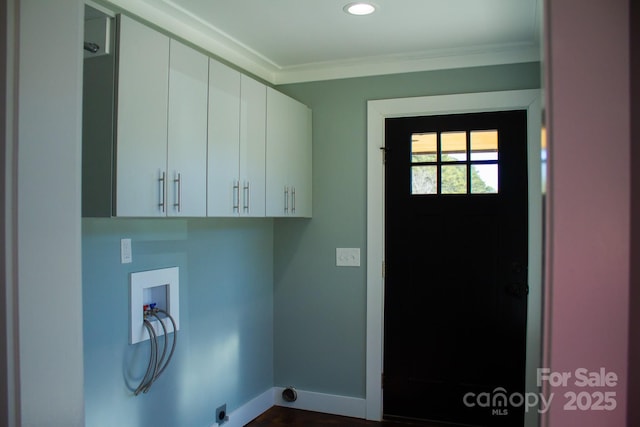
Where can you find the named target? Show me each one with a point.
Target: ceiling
(287, 41)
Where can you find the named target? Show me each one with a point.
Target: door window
(458, 162)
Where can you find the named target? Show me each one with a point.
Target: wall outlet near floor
(221, 414)
(348, 257)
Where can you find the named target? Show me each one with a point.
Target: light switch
(126, 256)
(348, 257)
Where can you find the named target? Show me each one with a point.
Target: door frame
(377, 112)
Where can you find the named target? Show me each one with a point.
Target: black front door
(456, 268)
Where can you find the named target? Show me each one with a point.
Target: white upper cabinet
(197, 138)
(187, 132)
(141, 127)
(288, 157)
(236, 143)
(161, 125)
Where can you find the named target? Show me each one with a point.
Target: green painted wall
(320, 309)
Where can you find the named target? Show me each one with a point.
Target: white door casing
(377, 112)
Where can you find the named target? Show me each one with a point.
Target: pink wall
(588, 101)
(634, 321)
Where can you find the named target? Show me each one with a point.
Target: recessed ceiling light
(359, 8)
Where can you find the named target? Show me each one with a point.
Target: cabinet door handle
(236, 196)
(178, 182)
(162, 181)
(286, 199)
(245, 195)
(293, 200)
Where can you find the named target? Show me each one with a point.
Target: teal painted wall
(224, 350)
(320, 309)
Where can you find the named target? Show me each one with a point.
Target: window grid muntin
(439, 163)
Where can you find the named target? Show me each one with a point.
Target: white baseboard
(249, 410)
(307, 400)
(326, 403)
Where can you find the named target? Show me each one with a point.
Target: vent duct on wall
(97, 35)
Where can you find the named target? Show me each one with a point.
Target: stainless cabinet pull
(236, 196)
(293, 200)
(178, 182)
(162, 203)
(245, 195)
(286, 199)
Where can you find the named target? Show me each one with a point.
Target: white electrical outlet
(126, 255)
(348, 257)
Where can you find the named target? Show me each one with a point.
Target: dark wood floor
(279, 416)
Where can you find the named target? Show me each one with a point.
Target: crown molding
(397, 64)
(181, 23)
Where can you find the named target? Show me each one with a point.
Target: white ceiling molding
(184, 24)
(200, 35)
(401, 64)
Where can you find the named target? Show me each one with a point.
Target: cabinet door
(141, 135)
(288, 156)
(223, 187)
(277, 176)
(301, 158)
(252, 147)
(187, 132)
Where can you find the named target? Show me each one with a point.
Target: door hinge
(384, 154)
(384, 269)
(382, 380)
